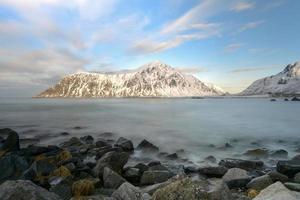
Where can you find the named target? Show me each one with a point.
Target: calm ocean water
(173, 124)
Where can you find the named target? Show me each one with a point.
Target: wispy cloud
(250, 25)
(242, 6)
(233, 47)
(251, 69)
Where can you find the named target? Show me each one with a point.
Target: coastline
(109, 168)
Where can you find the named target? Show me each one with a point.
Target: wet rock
(289, 168)
(293, 186)
(125, 144)
(236, 178)
(62, 188)
(20, 189)
(12, 142)
(11, 167)
(243, 164)
(191, 169)
(74, 141)
(87, 139)
(112, 179)
(158, 168)
(113, 160)
(64, 133)
(295, 99)
(1, 140)
(276, 176)
(277, 191)
(172, 156)
(34, 150)
(257, 153)
(128, 192)
(102, 143)
(39, 171)
(297, 157)
(5, 131)
(297, 177)
(142, 167)
(211, 159)
(146, 146)
(153, 163)
(281, 153)
(133, 175)
(153, 177)
(216, 172)
(260, 183)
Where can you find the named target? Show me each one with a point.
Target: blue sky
(226, 42)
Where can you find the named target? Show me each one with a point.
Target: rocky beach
(113, 168)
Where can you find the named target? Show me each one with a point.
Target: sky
(229, 43)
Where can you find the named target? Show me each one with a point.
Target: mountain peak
(292, 70)
(156, 65)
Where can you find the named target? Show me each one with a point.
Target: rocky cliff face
(285, 82)
(155, 79)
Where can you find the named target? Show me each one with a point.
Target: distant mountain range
(286, 82)
(155, 79)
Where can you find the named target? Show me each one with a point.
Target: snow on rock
(155, 79)
(285, 82)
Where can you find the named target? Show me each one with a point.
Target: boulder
(128, 192)
(113, 160)
(63, 189)
(153, 163)
(277, 191)
(153, 177)
(142, 167)
(216, 172)
(257, 153)
(133, 175)
(101, 152)
(297, 177)
(211, 159)
(39, 169)
(295, 99)
(260, 183)
(289, 168)
(23, 190)
(276, 176)
(158, 168)
(11, 167)
(293, 186)
(281, 153)
(74, 141)
(88, 139)
(146, 146)
(11, 143)
(236, 178)
(242, 164)
(102, 143)
(112, 179)
(125, 144)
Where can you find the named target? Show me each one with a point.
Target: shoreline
(109, 169)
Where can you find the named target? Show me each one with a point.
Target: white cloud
(233, 47)
(250, 25)
(242, 6)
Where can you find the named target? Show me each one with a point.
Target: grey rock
(74, 141)
(257, 153)
(216, 172)
(260, 183)
(128, 192)
(113, 160)
(88, 139)
(112, 179)
(125, 144)
(63, 190)
(146, 146)
(133, 175)
(25, 190)
(158, 168)
(277, 191)
(281, 153)
(153, 177)
(297, 177)
(293, 186)
(211, 159)
(289, 168)
(102, 143)
(236, 178)
(153, 163)
(12, 142)
(142, 167)
(276, 176)
(242, 164)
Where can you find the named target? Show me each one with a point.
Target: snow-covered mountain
(286, 82)
(155, 79)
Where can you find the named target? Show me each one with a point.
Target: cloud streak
(242, 6)
(250, 25)
(233, 47)
(250, 69)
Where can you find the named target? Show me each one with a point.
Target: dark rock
(106, 134)
(87, 139)
(293, 186)
(286, 99)
(11, 167)
(142, 167)
(276, 176)
(1, 140)
(133, 175)
(257, 153)
(297, 177)
(74, 141)
(101, 152)
(236, 178)
(153, 163)
(102, 143)
(128, 192)
(11, 143)
(64, 133)
(295, 99)
(281, 153)
(297, 157)
(25, 190)
(33, 150)
(153, 177)
(125, 144)
(113, 160)
(211, 159)
(112, 179)
(5, 131)
(62, 188)
(216, 172)
(260, 183)
(38, 170)
(239, 163)
(191, 169)
(289, 168)
(172, 156)
(147, 147)
(273, 100)
(158, 168)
